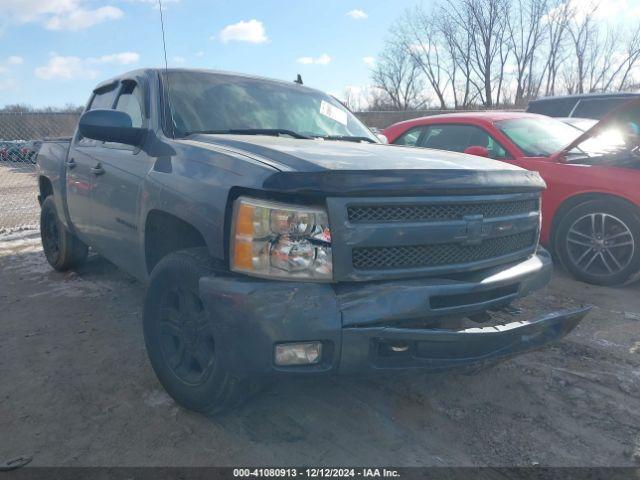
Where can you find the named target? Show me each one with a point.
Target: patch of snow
(158, 398)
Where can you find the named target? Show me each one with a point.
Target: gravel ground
(77, 390)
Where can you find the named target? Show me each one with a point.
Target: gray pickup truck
(278, 236)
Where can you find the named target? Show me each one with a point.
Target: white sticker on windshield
(334, 113)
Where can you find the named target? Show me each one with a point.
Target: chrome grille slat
(438, 212)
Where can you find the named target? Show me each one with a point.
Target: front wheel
(180, 336)
(597, 242)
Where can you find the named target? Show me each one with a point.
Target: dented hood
(300, 155)
(339, 168)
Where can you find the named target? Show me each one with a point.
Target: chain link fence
(21, 135)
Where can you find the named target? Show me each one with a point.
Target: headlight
(277, 240)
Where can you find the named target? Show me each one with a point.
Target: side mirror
(477, 151)
(110, 126)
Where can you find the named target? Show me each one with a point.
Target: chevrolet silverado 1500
(278, 236)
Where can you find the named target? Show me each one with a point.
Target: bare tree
(352, 99)
(631, 58)
(494, 52)
(602, 59)
(24, 108)
(557, 22)
(398, 76)
(485, 22)
(583, 33)
(421, 38)
(526, 33)
(458, 43)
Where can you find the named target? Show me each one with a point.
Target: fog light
(298, 353)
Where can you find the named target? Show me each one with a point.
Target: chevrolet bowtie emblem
(475, 231)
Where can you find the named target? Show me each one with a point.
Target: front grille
(438, 212)
(450, 254)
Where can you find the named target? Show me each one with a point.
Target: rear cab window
(553, 107)
(102, 100)
(597, 108)
(125, 96)
(130, 101)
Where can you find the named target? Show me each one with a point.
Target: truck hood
(338, 168)
(287, 154)
(628, 112)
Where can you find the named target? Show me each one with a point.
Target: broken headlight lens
(277, 240)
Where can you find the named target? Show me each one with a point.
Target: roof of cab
(157, 71)
(587, 95)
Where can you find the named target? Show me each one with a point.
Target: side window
(103, 99)
(597, 108)
(410, 137)
(553, 107)
(130, 101)
(457, 138)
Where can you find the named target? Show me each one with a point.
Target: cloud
(179, 60)
(369, 61)
(70, 67)
(199, 54)
(81, 19)
(154, 3)
(251, 31)
(58, 14)
(323, 59)
(65, 68)
(357, 14)
(579, 9)
(124, 58)
(7, 83)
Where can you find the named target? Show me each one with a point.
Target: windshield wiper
(347, 138)
(253, 131)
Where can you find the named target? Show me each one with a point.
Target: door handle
(71, 163)
(97, 170)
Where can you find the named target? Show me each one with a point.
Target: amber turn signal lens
(243, 248)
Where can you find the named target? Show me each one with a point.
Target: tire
(598, 242)
(61, 247)
(180, 338)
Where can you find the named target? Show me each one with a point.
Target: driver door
(79, 178)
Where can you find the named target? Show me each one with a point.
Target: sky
(53, 52)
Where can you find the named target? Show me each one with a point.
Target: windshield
(538, 137)
(210, 102)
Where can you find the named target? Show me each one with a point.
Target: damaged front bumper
(379, 325)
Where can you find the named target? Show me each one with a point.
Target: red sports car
(591, 208)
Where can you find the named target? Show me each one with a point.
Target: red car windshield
(538, 137)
